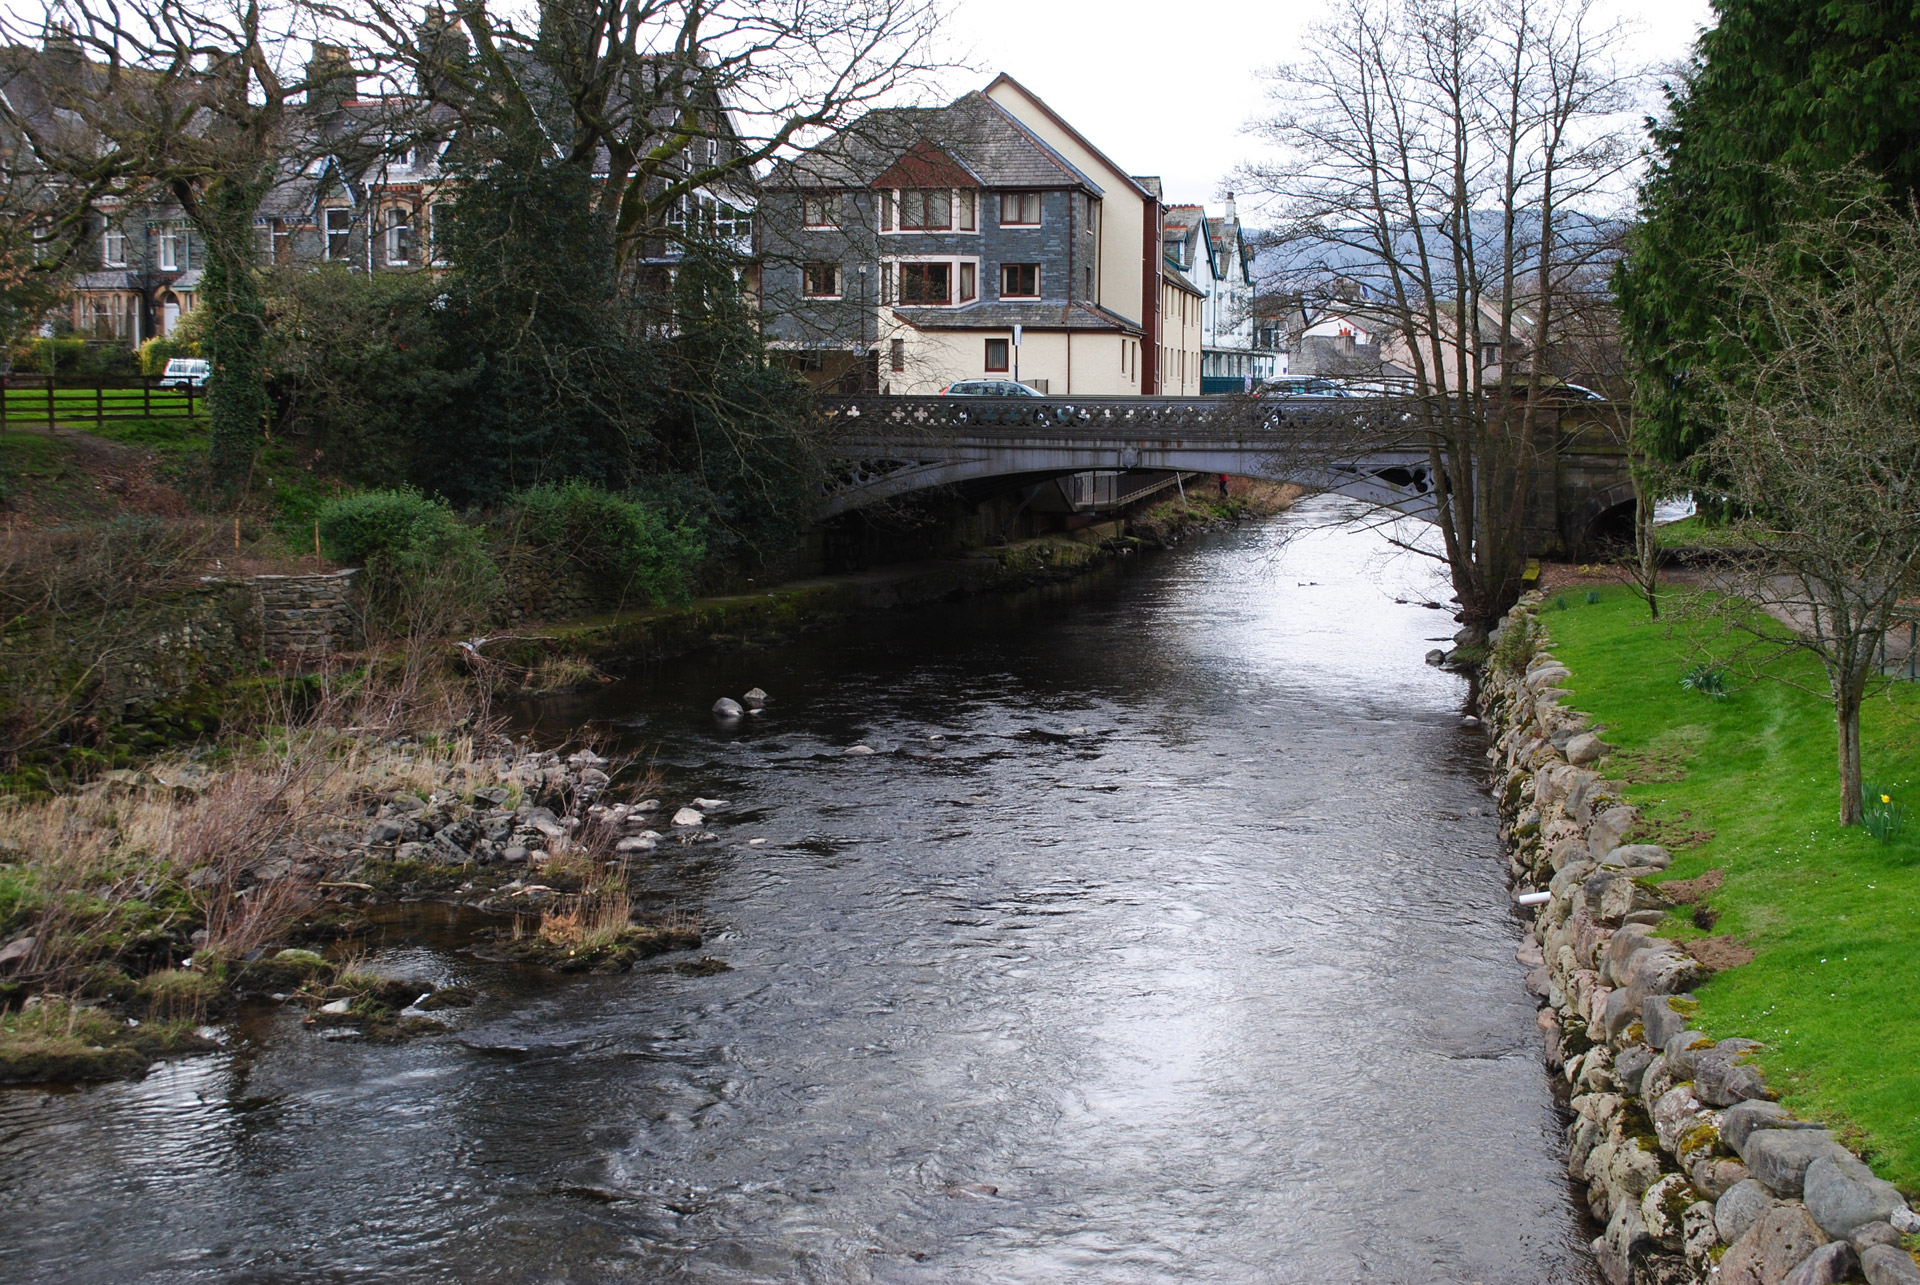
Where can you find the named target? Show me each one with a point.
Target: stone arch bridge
(1369, 448)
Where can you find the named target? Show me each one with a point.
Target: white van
(186, 372)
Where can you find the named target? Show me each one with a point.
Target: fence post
(100, 405)
(50, 381)
(146, 396)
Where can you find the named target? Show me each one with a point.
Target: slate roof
(977, 133)
(1078, 315)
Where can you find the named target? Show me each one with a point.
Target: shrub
(156, 352)
(576, 525)
(426, 571)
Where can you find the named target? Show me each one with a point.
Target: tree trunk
(235, 333)
(1846, 708)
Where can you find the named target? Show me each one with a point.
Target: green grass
(1695, 532)
(1832, 914)
(77, 405)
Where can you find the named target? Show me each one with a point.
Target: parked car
(186, 372)
(987, 388)
(1303, 386)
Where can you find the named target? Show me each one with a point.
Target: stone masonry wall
(1697, 1173)
(307, 618)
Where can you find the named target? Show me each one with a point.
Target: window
(820, 211)
(113, 247)
(926, 283)
(969, 282)
(820, 281)
(339, 233)
(1019, 209)
(969, 211)
(897, 354)
(677, 214)
(399, 237)
(996, 354)
(436, 239)
(171, 256)
(263, 240)
(732, 221)
(1020, 281)
(926, 209)
(1088, 292)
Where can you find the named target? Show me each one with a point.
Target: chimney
(330, 80)
(1232, 215)
(62, 49)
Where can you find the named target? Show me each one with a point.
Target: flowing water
(1162, 938)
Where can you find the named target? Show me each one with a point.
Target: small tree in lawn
(1820, 440)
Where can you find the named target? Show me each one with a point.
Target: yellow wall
(1120, 218)
(1180, 332)
(936, 358)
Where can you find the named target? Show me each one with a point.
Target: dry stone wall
(308, 618)
(1696, 1172)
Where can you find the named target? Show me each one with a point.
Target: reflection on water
(1162, 938)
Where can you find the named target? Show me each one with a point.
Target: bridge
(1368, 448)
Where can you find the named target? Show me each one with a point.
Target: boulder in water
(688, 817)
(727, 707)
(754, 699)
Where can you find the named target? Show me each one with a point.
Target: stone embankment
(1697, 1173)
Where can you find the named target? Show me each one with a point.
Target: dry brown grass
(229, 851)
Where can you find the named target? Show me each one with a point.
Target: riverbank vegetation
(1738, 782)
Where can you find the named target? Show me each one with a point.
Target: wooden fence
(62, 400)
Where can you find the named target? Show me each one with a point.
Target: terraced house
(984, 239)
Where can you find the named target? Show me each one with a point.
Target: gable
(925, 165)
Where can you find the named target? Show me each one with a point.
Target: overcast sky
(1165, 88)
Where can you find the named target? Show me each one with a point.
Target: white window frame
(328, 231)
(963, 212)
(397, 235)
(435, 256)
(167, 256)
(890, 279)
(111, 235)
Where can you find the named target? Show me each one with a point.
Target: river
(1164, 937)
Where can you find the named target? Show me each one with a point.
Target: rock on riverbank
(1697, 1173)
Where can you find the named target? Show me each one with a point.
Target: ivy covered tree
(1776, 87)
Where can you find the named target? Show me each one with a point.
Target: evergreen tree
(735, 425)
(555, 382)
(1775, 87)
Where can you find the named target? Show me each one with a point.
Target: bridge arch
(1586, 520)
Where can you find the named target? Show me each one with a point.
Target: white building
(1212, 253)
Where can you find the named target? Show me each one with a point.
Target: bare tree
(1821, 444)
(196, 102)
(1437, 167)
(665, 98)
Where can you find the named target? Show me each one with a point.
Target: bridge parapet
(1101, 418)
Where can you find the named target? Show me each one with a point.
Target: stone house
(986, 238)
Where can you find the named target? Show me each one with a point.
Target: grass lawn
(1693, 532)
(1832, 915)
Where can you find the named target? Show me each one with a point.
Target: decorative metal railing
(890, 418)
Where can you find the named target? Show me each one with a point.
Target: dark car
(987, 388)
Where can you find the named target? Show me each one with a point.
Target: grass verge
(1747, 785)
